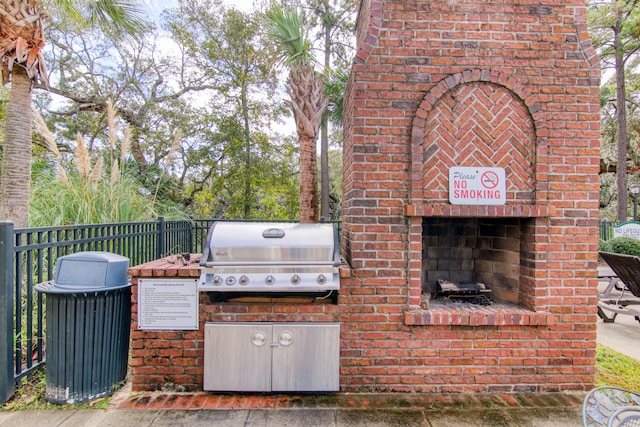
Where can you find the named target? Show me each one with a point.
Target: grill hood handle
(207, 246)
(273, 233)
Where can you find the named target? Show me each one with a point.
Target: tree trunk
(307, 102)
(325, 211)
(308, 180)
(247, 151)
(15, 181)
(621, 121)
(324, 138)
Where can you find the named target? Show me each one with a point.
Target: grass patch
(616, 369)
(30, 394)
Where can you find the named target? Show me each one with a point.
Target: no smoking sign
(477, 186)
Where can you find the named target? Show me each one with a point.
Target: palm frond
(123, 17)
(286, 28)
(22, 33)
(334, 88)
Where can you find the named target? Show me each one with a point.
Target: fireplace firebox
(471, 250)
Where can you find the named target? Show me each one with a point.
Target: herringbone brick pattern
(479, 124)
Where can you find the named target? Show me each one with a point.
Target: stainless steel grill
(270, 257)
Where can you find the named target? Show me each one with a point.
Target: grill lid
(243, 243)
(270, 257)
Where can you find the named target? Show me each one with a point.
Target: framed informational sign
(477, 186)
(168, 304)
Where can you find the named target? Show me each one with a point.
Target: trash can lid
(88, 272)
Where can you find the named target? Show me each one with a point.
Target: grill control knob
(295, 279)
(230, 281)
(269, 280)
(217, 280)
(244, 280)
(322, 279)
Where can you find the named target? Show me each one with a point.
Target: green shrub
(604, 246)
(625, 245)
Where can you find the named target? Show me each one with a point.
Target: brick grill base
(174, 360)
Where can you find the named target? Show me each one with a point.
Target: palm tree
(22, 24)
(306, 98)
(335, 87)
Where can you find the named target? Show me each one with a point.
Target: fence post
(161, 237)
(6, 311)
(192, 224)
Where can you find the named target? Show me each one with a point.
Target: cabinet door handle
(285, 338)
(259, 339)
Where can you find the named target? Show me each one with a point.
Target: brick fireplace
(440, 85)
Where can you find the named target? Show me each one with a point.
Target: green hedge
(604, 246)
(624, 245)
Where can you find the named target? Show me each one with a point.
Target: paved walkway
(331, 410)
(623, 335)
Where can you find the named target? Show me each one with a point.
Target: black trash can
(88, 325)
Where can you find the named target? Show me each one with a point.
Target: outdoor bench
(627, 270)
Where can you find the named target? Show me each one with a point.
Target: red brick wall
(442, 84)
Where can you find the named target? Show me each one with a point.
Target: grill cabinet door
(306, 357)
(237, 356)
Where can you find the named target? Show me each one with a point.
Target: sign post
(477, 186)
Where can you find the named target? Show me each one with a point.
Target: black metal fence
(607, 227)
(28, 256)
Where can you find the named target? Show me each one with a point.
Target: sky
(157, 6)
